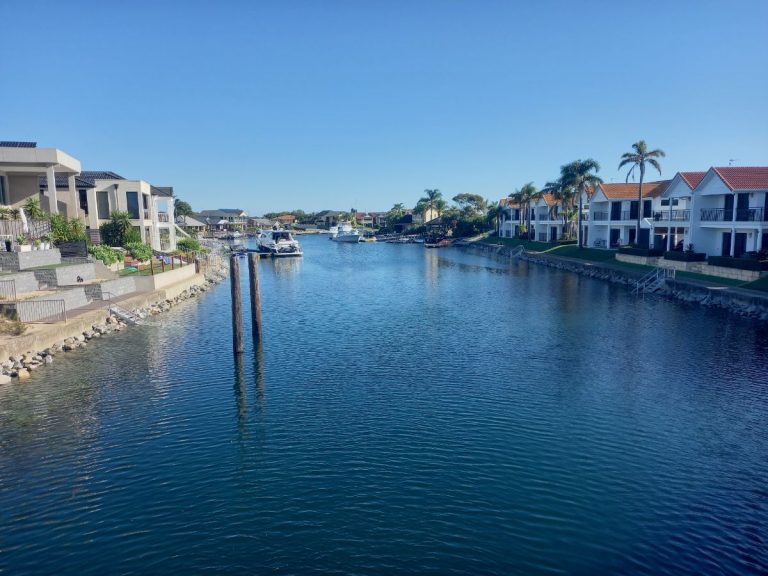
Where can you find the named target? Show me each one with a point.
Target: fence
(43, 311)
(14, 228)
(8, 290)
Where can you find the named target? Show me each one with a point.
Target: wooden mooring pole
(237, 305)
(253, 272)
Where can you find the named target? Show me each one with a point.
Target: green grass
(147, 271)
(571, 251)
(708, 278)
(529, 244)
(760, 284)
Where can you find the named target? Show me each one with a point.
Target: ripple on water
(410, 411)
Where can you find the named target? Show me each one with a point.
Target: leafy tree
(119, 231)
(106, 254)
(565, 196)
(182, 208)
(395, 213)
(470, 204)
(579, 175)
(638, 158)
(188, 245)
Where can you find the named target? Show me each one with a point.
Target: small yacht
(278, 243)
(345, 233)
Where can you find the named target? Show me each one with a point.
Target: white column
(52, 200)
(74, 198)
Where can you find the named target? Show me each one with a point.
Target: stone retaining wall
(24, 281)
(111, 288)
(66, 275)
(704, 268)
(32, 259)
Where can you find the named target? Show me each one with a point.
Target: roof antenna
(732, 160)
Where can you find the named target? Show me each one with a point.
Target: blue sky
(336, 104)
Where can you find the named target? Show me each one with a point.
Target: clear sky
(279, 105)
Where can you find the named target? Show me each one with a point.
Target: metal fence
(8, 290)
(43, 311)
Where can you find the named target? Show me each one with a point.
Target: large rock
(4, 379)
(23, 374)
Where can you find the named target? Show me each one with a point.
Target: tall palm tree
(580, 176)
(638, 158)
(564, 194)
(429, 201)
(524, 196)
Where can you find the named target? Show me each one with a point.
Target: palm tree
(563, 193)
(429, 201)
(638, 159)
(523, 196)
(580, 177)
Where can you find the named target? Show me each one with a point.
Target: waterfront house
(327, 218)
(223, 219)
(731, 211)
(150, 208)
(510, 218)
(190, 225)
(672, 216)
(21, 166)
(613, 210)
(364, 219)
(549, 222)
(286, 220)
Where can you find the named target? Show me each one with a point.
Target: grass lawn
(713, 279)
(146, 271)
(571, 251)
(529, 244)
(760, 284)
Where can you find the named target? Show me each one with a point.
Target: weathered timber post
(237, 305)
(253, 272)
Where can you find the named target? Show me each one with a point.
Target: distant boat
(278, 243)
(345, 233)
(438, 243)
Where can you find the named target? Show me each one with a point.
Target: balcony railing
(146, 214)
(162, 217)
(625, 215)
(674, 216)
(599, 216)
(742, 215)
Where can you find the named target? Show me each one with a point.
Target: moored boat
(278, 243)
(345, 233)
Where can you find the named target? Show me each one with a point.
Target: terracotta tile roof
(549, 199)
(692, 178)
(744, 177)
(509, 203)
(629, 191)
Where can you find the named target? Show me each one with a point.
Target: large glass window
(132, 199)
(83, 197)
(3, 193)
(102, 203)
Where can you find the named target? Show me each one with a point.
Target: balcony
(146, 214)
(599, 216)
(673, 216)
(163, 217)
(624, 215)
(742, 215)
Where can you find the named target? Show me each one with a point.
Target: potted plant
(36, 243)
(22, 243)
(46, 242)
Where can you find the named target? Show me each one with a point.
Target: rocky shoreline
(21, 366)
(748, 304)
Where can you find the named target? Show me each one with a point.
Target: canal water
(411, 411)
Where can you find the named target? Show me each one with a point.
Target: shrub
(119, 231)
(188, 245)
(63, 230)
(632, 251)
(12, 326)
(685, 256)
(738, 263)
(139, 251)
(106, 254)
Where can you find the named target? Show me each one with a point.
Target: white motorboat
(345, 233)
(278, 243)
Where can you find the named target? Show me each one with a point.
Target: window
(3, 192)
(83, 197)
(665, 201)
(102, 205)
(132, 199)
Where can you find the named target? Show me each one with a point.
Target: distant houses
(223, 219)
(722, 212)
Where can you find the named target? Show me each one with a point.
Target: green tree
(565, 196)
(470, 204)
(395, 213)
(430, 201)
(638, 158)
(580, 176)
(182, 208)
(524, 196)
(119, 231)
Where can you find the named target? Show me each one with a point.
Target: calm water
(412, 411)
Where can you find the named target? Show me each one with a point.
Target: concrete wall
(66, 275)
(111, 288)
(22, 186)
(34, 258)
(158, 281)
(25, 282)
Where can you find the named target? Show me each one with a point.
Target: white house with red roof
(613, 210)
(511, 216)
(546, 219)
(672, 216)
(731, 211)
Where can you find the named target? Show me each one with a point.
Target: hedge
(739, 263)
(685, 256)
(640, 251)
